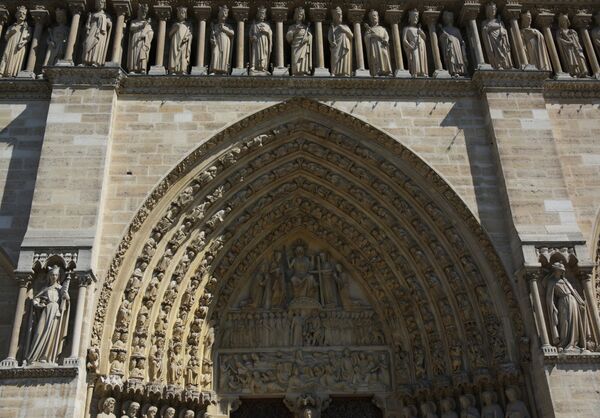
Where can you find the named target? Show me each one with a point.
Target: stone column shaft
(317, 16)
(279, 58)
(202, 12)
(81, 296)
(241, 15)
(123, 9)
(201, 43)
(512, 13)
(163, 12)
(544, 20)
(431, 17)
(468, 17)
(17, 322)
(77, 8)
(356, 16)
(393, 16)
(589, 48)
(537, 306)
(279, 15)
(591, 303)
(474, 35)
(39, 15)
(160, 46)
(3, 18)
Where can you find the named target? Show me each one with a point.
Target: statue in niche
(180, 47)
(595, 33)
(107, 408)
(515, 407)
(17, 37)
(342, 280)
(328, 284)
(117, 365)
(467, 406)
(454, 49)
(415, 46)
(495, 39)
(49, 319)
(277, 281)
(151, 412)
(303, 282)
(447, 406)
(209, 341)
(566, 311)
(138, 369)
(57, 38)
(97, 36)
(192, 372)
(340, 43)
(300, 39)
(156, 369)
(131, 411)
(261, 43)
(260, 289)
(490, 407)
(221, 38)
(140, 42)
(570, 48)
(377, 42)
(534, 43)
(168, 412)
(428, 409)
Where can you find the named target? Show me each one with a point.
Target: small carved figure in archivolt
(97, 36)
(131, 410)
(17, 37)
(300, 39)
(49, 319)
(107, 408)
(221, 39)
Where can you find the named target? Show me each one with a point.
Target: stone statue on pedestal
(180, 49)
(340, 43)
(49, 319)
(453, 46)
(571, 51)
(57, 38)
(415, 46)
(300, 39)
(534, 43)
(377, 42)
(566, 311)
(495, 39)
(17, 38)
(140, 41)
(304, 284)
(107, 408)
(97, 36)
(261, 43)
(221, 38)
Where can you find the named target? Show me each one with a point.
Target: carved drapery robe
(180, 47)
(221, 37)
(97, 36)
(57, 44)
(535, 47)
(571, 52)
(300, 39)
(453, 50)
(415, 47)
(17, 37)
(50, 316)
(140, 41)
(497, 44)
(340, 42)
(261, 45)
(566, 311)
(378, 50)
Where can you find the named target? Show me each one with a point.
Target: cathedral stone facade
(376, 208)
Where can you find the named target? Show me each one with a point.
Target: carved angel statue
(300, 39)
(57, 38)
(515, 407)
(97, 36)
(415, 46)
(495, 39)
(453, 46)
(261, 43)
(221, 39)
(17, 37)
(340, 43)
(570, 48)
(49, 319)
(140, 41)
(180, 49)
(377, 42)
(107, 408)
(534, 43)
(566, 311)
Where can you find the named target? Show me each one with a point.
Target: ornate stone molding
(104, 77)
(510, 80)
(39, 372)
(15, 89)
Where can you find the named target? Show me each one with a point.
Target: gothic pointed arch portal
(303, 255)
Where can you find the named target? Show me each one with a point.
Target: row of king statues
(501, 48)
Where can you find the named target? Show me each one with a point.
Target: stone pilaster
(279, 13)
(240, 13)
(318, 13)
(431, 16)
(393, 17)
(77, 8)
(123, 12)
(163, 13)
(202, 12)
(468, 19)
(356, 15)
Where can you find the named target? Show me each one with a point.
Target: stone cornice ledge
(15, 88)
(38, 372)
(109, 77)
(572, 89)
(564, 358)
(510, 80)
